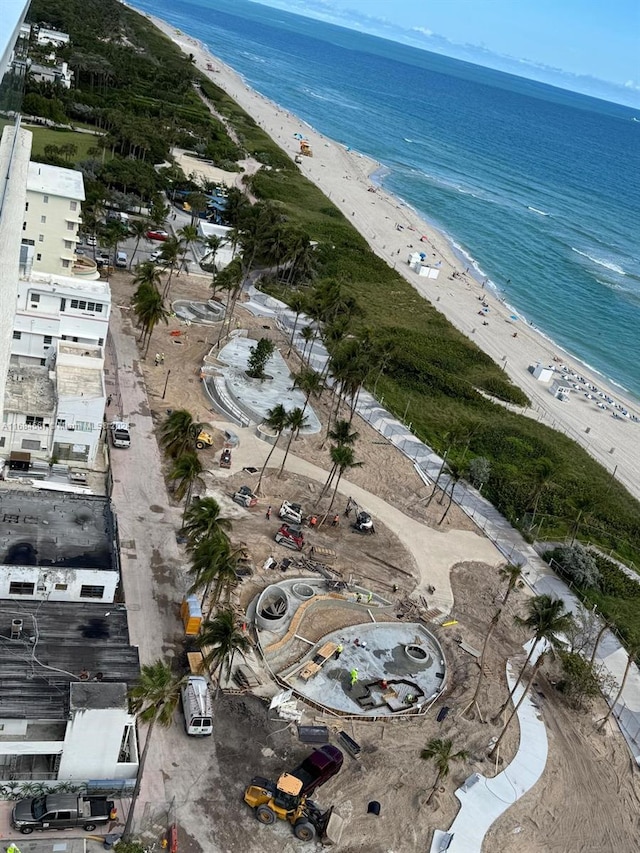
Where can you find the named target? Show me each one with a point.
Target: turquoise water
(538, 187)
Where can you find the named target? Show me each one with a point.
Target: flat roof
(92, 695)
(60, 530)
(62, 284)
(55, 180)
(29, 390)
(40, 670)
(75, 381)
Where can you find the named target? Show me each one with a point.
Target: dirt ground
(586, 799)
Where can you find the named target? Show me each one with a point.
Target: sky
(587, 38)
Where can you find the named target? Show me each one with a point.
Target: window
(35, 297)
(127, 747)
(30, 444)
(66, 263)
(24, 226)
(63, 306)
(68, 244)
(38, 257)
(73, 205)
(88, 591)
(45, 199)
(71, 226)
(26, 207)
(100, 340)
(21, 588)
(63, 816)
(17, 336)
(43, 362)
(60, 587)
(32, 420)
(48, 340)
(2, 441)
(40, 238)
(43, 220)
(61, 423)
(98, 308)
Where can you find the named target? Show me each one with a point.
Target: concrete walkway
(483, 800)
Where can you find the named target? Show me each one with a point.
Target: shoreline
(353, 182)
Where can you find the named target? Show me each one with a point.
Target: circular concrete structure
(272, 609)
(416, 653)
(303, 591)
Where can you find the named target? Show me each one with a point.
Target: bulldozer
(204, 439)
(283, 800)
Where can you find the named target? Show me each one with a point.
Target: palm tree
(512, 572)
(543, 473)
(154, 700)
(342, 435)
(188, 234)
(277, 419)
(230, 279)
(440, 751)
(171, 251)
(296, 420)
(546, 619)
(213, 563)
(296, 304)
(308, 335)
(202, 520)
(186, 473)
(632, 654)
(178, 433)
(309, 382)
(220, 640)
(147, 274)
(493, 624)
(454, 476)
(149, 309)
(344, 460)
(213, 244)
(138, 229)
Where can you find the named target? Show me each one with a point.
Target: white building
(58, 73)
(54, 37)
(52, 218)
(54, 308)
(56, 411)
(225, 254)
(56, 547)
(64, 674)
(15, 150)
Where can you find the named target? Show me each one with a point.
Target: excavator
(284, 800)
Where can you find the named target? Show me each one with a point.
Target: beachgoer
(514, 335)
(109, 400)
(336, 521)
(268, 513)
(162, 354)
(358, 600)
(156, 360)
(313, 521)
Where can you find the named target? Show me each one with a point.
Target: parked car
(245, 497)
(290, 512)
(155, 255)
(91, 240)
(291, 536)
(157, 234)
(61, 811)
(121, 260)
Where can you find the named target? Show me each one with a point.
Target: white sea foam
(539, 212)
(600, 262)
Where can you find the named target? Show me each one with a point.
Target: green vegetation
(43, 137)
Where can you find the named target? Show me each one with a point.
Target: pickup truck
(120, 434)
(60, 811)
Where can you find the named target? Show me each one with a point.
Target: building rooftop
(57, 642)
(76, 381)
(58, 529)
(55, 180)
(29, 390)
(98, 289)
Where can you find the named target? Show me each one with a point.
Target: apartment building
(57, 308)
(56, 411)
(52, 218)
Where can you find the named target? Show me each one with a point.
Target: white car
(91, 240)
(155, 256)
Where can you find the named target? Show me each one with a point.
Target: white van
(197, 706)
(121, 260)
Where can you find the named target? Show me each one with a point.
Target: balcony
(85, 268)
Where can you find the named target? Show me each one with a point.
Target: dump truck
(61, 811)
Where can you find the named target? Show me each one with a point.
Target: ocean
(537, 188)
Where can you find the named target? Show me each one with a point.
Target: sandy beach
(394, 231)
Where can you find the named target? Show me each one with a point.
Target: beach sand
(345, 176)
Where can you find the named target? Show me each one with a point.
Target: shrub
(578, 565)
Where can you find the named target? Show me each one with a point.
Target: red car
(156, 234)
